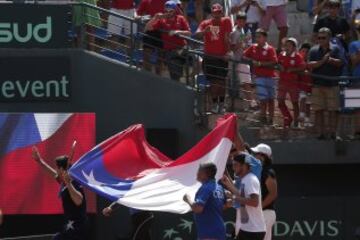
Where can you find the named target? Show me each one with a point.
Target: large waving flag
(126, 169)
(25, 188)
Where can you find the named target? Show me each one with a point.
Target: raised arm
(76, 195)
(37, 157)
(253, 200)
(239, 141)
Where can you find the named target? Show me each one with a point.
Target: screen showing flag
(25, 188)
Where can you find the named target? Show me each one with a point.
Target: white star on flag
(91, 181)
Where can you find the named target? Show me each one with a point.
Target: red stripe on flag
(25, 188)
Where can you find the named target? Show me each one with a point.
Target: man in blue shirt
(208, 205)
(354, 51)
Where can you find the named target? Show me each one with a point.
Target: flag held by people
(127, 169)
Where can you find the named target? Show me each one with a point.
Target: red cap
(216, 8)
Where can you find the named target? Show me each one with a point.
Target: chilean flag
(127, 169)
(25, 188)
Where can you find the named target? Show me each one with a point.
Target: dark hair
(336, 3)
(209, 168)
(305, 46)
(62, 162)
(240, 158)
(325, 30)
(262, 32)
(267, 160)
(241, 15)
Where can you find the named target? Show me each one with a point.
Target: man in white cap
(263, 152)
(291, 64)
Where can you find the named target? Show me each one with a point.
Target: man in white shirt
(251, 224)
(254, 10)
(276, 10)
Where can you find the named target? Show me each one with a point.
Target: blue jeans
(265, 88)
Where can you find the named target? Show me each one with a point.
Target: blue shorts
(265, 88)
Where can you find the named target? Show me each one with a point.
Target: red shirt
(290, 61)
(150, 7)
(214, 41)
(266, 53)
(122, 4)
(177, 23)
(305, 81)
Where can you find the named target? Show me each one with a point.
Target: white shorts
(120, 26)
(243, 73)
(270, 219)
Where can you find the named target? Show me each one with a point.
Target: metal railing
(125, 44)
(191, 70)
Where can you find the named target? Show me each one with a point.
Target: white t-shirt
(250, 219)
(253, 15)
(275, 3)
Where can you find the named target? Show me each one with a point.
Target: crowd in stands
(267, 75)
(302, 74)
(235, 49)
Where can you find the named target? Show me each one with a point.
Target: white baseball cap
(262, 148)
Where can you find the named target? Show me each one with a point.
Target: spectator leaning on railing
(90, 19)
(171, 25)
(118, 26)
(215, 32)
(325, 59)
(239, 41)
(254, 10)
(354, 51)
(263, 57)
(291, 64)
(152, 39)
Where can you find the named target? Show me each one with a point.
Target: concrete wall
(120, 96)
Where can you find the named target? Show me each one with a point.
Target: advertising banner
(34, 79)
(34, 26)
(314, 218)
